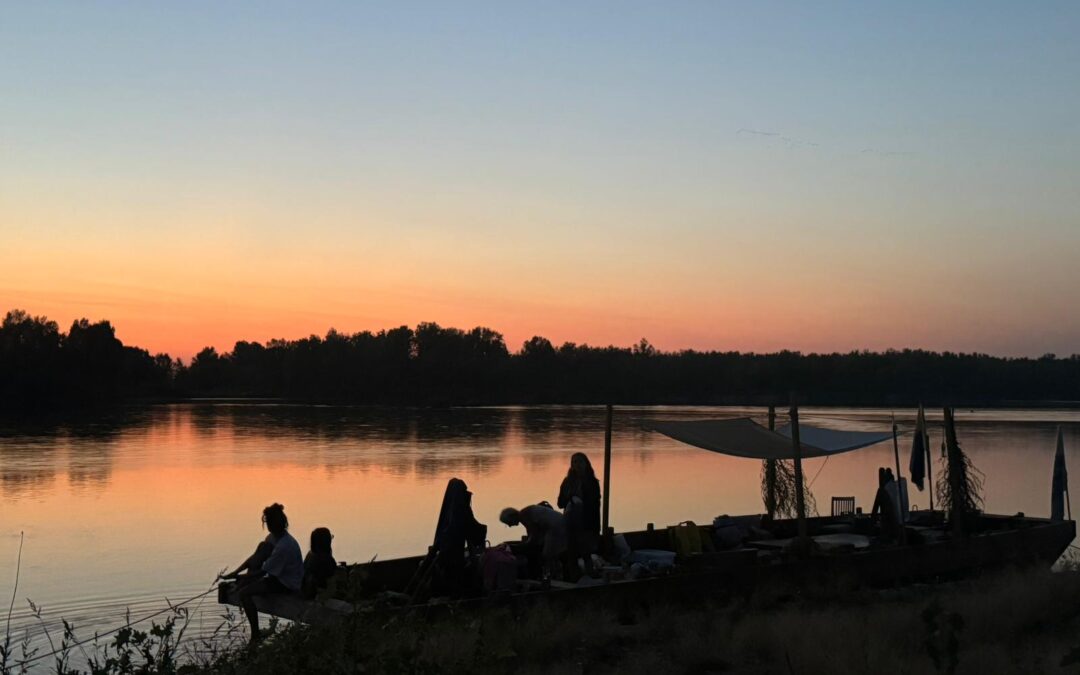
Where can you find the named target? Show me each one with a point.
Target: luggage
(686, 539)
(499, 566)
(729, 532)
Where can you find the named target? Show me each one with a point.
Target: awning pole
(770, 472)
(899, 493)
(800, 505)
(953, 464)
(607, 471)
(929, 478)
(896, 451)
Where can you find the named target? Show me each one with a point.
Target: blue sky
(738, 176)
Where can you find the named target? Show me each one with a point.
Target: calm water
(151, 503)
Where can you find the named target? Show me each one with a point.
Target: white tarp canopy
(743, 437)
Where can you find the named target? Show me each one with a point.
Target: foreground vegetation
(1014, 623)
(41, 366)
(1017, 622)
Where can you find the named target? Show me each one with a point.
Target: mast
(770, 472)
(607, 472)
(800, 504)
(926, 445)
(896, 450)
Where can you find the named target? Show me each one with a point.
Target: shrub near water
(1014, 623)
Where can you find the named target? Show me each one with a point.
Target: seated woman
(276, 566)
(319, 564)
(546, 529)
(457, 534)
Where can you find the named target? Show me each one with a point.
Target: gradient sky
(752, 176)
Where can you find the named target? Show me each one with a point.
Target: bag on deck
(499, 566)
(686, 539)
(729, 532)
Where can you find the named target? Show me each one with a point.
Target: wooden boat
(828, 552)
(844, 555)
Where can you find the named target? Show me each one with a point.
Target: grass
(1007, 623)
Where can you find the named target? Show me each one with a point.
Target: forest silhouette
(42, 367)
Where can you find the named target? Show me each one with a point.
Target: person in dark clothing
(457, 534)
(579, 498)
(319, 563)
(887, 503)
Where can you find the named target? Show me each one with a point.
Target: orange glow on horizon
(176, 294)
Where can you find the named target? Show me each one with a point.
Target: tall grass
(157, 647)
(1009, 623)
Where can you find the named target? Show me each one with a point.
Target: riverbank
(1007, 623)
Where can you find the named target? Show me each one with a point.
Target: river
(124, 509)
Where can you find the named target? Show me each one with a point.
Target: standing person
(579, 498)
(281, 569)
(546, 529)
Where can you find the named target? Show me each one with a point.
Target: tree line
(41, 366)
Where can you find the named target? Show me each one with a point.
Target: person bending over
(275, 568)
(546, 529)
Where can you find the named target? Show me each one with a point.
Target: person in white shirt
(887, 503)
(276, 567)
(546, 529)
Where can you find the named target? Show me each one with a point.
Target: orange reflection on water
(157, 501)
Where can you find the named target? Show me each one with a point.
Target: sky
(735, 176)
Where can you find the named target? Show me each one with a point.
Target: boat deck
(845, 553)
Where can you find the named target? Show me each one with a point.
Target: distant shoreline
(16, 416)
(45, 369)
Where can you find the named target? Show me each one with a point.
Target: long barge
(843, 555)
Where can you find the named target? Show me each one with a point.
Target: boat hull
(999, 542)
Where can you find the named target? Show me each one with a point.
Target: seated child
(319, 564)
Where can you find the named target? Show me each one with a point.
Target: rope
(14, 591)
(79, 643)
(818, 472)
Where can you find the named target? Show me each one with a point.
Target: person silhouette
(275, 568)
(546, 530)
(579, 498)
(319, 563)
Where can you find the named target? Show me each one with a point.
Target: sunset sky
(752, 176)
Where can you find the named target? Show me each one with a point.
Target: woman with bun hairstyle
(276, 566)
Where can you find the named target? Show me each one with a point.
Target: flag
(1060, 483)
(917, 465)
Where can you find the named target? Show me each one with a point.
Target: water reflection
(421, 443)
(34, 453)
(28, 468)
(111, 503)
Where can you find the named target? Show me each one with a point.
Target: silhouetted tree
(30, 368)
(435, 365)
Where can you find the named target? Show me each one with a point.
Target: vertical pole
(770, 472)
(899, 494)
(607, 471)
(956, 510)
(1068, 506)
(929, 478)
(896, 451)
(800, 505)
